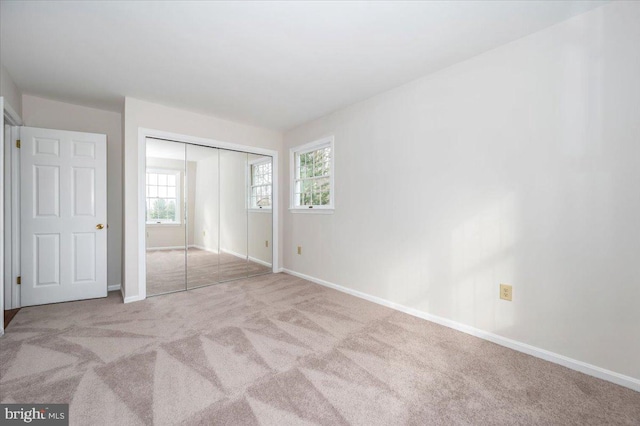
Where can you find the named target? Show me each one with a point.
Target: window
(163, 196)
(260, 184)
(312, 175)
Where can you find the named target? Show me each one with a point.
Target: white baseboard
(204, 248)
(166, 248)
(114, 287)
(583, 367)
(132, 298)
(242, 256)
(233, 253)
(259, 261)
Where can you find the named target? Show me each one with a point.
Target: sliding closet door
(260, 216)
(165, 216)
(203, 216)
(233, 215)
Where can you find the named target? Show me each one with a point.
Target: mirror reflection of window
(163, 196)
(260, 218)
(261, 184)
(166, 205)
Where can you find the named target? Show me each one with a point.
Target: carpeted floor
(175, 270)
(278, 350)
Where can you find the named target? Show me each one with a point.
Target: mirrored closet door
(166, 174)
(203, 216)
(233, 215)
(260, 217)
(208, 216)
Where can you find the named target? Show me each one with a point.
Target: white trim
(582, 367)
(11, 117)
(133, 298)
(9, 297)
(143, 134)
(11, 241)
(114, 287)
(259, 261)
(233, 253)
(2, 142)
(311, 211)
(203, 248)
(166, 248)
(15, 217)
(250, 258)
(303, 149)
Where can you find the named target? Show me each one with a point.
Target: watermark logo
(36, 414)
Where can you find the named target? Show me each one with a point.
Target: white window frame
(257, 162)
(179, 201)
(327, 141)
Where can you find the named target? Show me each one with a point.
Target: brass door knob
(99, 226)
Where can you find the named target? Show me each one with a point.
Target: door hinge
(18, 143)
(19, 280)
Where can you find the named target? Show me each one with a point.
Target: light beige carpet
(176, 270)
(277, 350)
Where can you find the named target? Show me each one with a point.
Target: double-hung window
(163, 196)
(260, 180)
(312, 176)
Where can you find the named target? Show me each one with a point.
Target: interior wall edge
(573, 364)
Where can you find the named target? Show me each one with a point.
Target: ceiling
(273, 64)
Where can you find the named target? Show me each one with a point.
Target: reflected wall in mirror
(166, 236)
(260, 216)
(203, 219)
(233, 215)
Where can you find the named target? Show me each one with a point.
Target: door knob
(99, 226)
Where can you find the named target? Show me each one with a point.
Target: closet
(208, 215)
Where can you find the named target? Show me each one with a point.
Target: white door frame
(143, 134)
(11, 211)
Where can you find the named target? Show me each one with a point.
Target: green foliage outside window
(162, 210)
(313, 186)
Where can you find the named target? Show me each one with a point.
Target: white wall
(239, 236)
(142, 114)
(10, 92)
(259, 226)
(39, 112)
(517, 166)
(206, 213)
(233, 202)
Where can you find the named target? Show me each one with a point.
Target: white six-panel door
(63, 191)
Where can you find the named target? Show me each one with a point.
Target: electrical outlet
(299, 250)
(266, 243)
(506, 292)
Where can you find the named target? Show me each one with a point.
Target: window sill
(260, 210)
(314, 210)
(163, 224)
